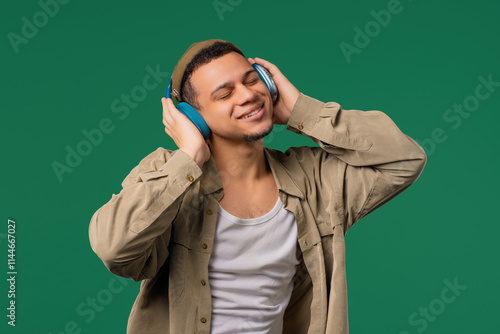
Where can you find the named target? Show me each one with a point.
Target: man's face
(228, 88)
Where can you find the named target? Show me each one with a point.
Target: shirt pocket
(323, 233)
(325, 229)
(327, 234)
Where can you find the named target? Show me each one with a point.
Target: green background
(64, 79)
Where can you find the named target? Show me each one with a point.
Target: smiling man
(229, 236)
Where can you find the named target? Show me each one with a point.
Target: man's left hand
(287, 93)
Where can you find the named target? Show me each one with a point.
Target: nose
(245, 94)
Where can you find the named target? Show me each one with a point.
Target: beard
(260, 135)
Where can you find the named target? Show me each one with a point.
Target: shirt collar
(282, 176)
(210, 181)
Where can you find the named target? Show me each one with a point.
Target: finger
(167, 103)
(265, 63)
(251, 61)
(164, 103)
(166, 122)
(167, 116)
(168, 128)
(170, 109)
(273, 69)
(169, 133)
(172, 115)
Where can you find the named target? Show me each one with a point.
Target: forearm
(131, 232)
(359, 138)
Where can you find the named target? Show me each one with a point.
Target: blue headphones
(195, 117)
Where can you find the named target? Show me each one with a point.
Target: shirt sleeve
(365, 159)
(131, 232)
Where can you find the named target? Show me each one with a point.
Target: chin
(260, 134)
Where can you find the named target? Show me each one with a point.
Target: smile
(254, 114)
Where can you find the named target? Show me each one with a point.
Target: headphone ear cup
(195, 117)
(265, 76)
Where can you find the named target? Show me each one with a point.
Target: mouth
(253, 115)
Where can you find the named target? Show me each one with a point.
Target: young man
(228, 236)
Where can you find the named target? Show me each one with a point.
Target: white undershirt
(251, 270)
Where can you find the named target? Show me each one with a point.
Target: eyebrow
(228, 83)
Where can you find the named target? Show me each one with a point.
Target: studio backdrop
(81, 89)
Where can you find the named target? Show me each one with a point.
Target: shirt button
(203, 282)
(203, 319)
(300, 126)
(190, 177)
(209, 212)
(204, 246)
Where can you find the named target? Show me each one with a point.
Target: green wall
(67, 66)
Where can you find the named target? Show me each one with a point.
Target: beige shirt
(160, 228)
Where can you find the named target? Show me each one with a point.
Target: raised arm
(365, 160)
(131, 232)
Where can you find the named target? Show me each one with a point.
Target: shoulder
(299, 156)
(157, 158)
(304, 163)
(150, 163)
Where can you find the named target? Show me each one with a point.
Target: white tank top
(251, 270)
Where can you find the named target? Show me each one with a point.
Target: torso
(250, 202)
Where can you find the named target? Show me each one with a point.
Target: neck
(240, 162)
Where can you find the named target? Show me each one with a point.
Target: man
(228, 236)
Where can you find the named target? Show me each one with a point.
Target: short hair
(204, 56)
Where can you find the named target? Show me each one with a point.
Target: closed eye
(224, 97)
(248, 82)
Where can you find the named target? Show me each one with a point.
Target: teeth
(252, 113)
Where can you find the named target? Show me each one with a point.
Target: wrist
(195, 155)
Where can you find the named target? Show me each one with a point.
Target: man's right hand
(184, 133)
